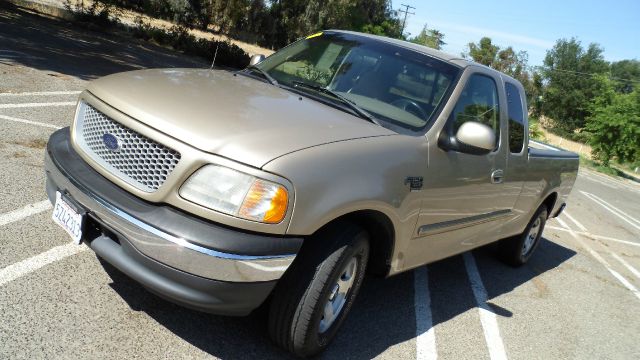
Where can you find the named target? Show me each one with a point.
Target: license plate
(68, 218)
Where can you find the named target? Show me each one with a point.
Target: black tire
(300, 296)
(513, 251)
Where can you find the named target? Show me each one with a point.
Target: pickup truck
(286, 182)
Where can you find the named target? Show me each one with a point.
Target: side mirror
(472, 138)
(255, 59)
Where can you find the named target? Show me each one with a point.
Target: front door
(463, 199)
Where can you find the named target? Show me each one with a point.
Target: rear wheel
(517, 250)
(316, 293)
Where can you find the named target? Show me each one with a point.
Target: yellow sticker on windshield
(314, 35)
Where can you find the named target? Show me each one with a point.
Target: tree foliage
(572, 86)
(626, 75)
(507, 60)
(429, 37)
(614, 126)
(274, 23)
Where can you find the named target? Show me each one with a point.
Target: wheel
(316, 293)
(517, 250)
(410, 106)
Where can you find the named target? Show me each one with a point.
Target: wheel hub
(338, 295)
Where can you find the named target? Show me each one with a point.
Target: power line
(406, 12)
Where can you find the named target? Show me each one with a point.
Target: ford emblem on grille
(111, 142)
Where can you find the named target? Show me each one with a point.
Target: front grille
(138, 160)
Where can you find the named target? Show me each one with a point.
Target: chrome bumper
(163, 247)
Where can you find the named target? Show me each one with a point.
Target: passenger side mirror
(472, 138)
(255, 59)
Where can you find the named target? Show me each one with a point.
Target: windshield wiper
(264, 73)
(355, 108)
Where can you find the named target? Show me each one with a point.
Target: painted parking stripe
(41, 93)
(30, 105)
(425, 333)
(635, 272)
(614, 210)
(17, 215)
(34, 263)
(598, 237)
(487, 316)
(24, 121)
(601, 260)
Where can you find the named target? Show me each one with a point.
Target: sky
(531, 25)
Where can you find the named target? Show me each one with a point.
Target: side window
(516, 118)
(478, 102)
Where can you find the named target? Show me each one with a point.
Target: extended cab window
(516, 118)
(478, 102)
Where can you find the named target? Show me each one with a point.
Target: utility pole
(406, 12)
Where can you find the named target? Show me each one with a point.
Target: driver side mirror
(472, 138)
(255, 59)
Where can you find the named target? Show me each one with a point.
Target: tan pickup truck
(339, 155)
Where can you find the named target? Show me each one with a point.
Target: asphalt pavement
(577, 298)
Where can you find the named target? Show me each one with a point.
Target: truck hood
(229, 115)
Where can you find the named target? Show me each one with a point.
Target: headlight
(236, 193)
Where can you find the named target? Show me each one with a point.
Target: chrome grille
(138, 160)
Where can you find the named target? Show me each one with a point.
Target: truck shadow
(383, 316)
(54, 45)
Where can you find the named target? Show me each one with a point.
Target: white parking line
(601, 260)
(10, 118)
(41, 93)
(614, 255)
(425, 333)
(34, 263)
(487, 316)
(599, 237)
(633, 270)
(31, 209)
(614, 210)
(27, 105)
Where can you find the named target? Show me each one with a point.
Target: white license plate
(69, 219)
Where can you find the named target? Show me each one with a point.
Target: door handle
(497, 176)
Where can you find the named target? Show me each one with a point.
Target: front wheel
(316, 293)
(517, 250)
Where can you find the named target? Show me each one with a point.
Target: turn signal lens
(265, 202)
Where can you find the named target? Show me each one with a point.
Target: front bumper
(188, 260)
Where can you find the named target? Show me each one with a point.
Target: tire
(296, 316)
(517, 250)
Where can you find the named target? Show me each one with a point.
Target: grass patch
(594, 165)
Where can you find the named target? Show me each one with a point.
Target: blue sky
(532, 25)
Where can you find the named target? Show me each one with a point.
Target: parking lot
(578, 297)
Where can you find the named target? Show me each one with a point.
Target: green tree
(626, 74)
(614, 126)
(572, 86)
(484, 52)
(507, 60)
(429, 37)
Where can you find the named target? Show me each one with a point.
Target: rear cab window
(516, 118)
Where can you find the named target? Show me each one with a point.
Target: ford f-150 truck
(284, 183)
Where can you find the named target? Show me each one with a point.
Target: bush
(179, 38)
(615, 129)
(100, 14)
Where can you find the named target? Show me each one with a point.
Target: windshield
(398, 86)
